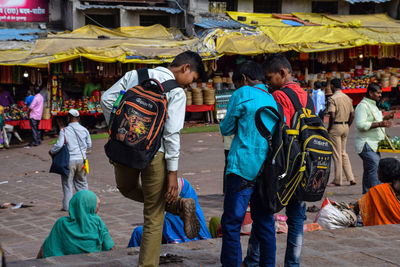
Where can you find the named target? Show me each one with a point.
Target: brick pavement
(22, 231)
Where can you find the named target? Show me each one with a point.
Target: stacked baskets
(209, 96)
(189, 99)
(197, 96)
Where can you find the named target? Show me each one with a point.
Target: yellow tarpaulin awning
(153, 44)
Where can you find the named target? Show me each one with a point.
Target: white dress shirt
(176, 106)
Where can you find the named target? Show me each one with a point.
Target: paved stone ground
(365, 246)
(22, 231)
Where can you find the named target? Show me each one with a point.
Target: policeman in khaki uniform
(341, 114)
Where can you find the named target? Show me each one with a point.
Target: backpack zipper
(315, 136)
(320, 151)
(159, 126)
(140, 108)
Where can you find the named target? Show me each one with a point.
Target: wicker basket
(189, 98)
(394, 81)
(197, 96)
(46, 114)
(209, 96)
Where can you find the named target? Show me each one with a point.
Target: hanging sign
(24, 10)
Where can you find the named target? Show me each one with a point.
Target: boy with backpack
(154, 139)
(314, 151)
(278, 74)
(246, 155)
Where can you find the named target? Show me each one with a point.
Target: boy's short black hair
(250, 69)
(317, 85)
(373, 87)
(191, 58)
(337, 83)
(275, 62)
(389, 169)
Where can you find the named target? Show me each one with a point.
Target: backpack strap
(293, 98)
(260, 125)
(296, 102)
(310, 105)
(169, 85)
(143, 74)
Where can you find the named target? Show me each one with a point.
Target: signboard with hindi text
(24, 10)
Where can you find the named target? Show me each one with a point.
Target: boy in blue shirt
(247, 153)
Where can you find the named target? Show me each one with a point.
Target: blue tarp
(138, 8)
(19, 34)
(209, 23)
(366, 1)
(292, 22)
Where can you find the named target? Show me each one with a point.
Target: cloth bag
(60, 161)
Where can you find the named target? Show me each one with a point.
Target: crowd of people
(171, 210)
(35, 103)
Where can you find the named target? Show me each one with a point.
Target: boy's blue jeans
(295, 212)
(237, 196)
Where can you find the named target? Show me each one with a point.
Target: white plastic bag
(329, 217)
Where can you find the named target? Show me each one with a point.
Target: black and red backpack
(137, 126)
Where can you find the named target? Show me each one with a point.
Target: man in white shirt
(370, 129)
(159, 180)
(78, 141)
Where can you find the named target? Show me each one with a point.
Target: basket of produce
(390, 145)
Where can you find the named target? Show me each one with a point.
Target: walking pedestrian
(78, 141)
(35, 115)
(6, 99)
(341, 116)
(159, 183)
(278, 74)
(318, 97)
(370, 129)
(246, 155)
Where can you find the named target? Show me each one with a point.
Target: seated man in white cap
(77, 139)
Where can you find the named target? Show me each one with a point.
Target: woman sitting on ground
(82, 232)
(381, 204)
(173, 225)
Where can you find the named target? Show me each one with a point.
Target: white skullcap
(73, 112)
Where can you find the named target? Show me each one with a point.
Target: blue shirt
(318, 97)
(249, 148)
(28, 100)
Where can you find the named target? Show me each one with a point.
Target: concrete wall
(55, 11)
(195, 6)
(394, 9)
(245, 6)
(289, 6)
(129, 18)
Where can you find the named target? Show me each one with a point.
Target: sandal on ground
(353, 183)
(333, 184)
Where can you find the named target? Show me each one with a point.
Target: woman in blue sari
(173, 225)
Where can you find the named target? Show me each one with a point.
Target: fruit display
(16, 113)
(356, 83)
(384, 144)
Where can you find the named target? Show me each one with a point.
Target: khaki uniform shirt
(341, 105)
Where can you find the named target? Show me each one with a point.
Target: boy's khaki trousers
(149, 191)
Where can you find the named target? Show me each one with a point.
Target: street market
(210, 128)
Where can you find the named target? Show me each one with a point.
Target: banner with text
(24, 10)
